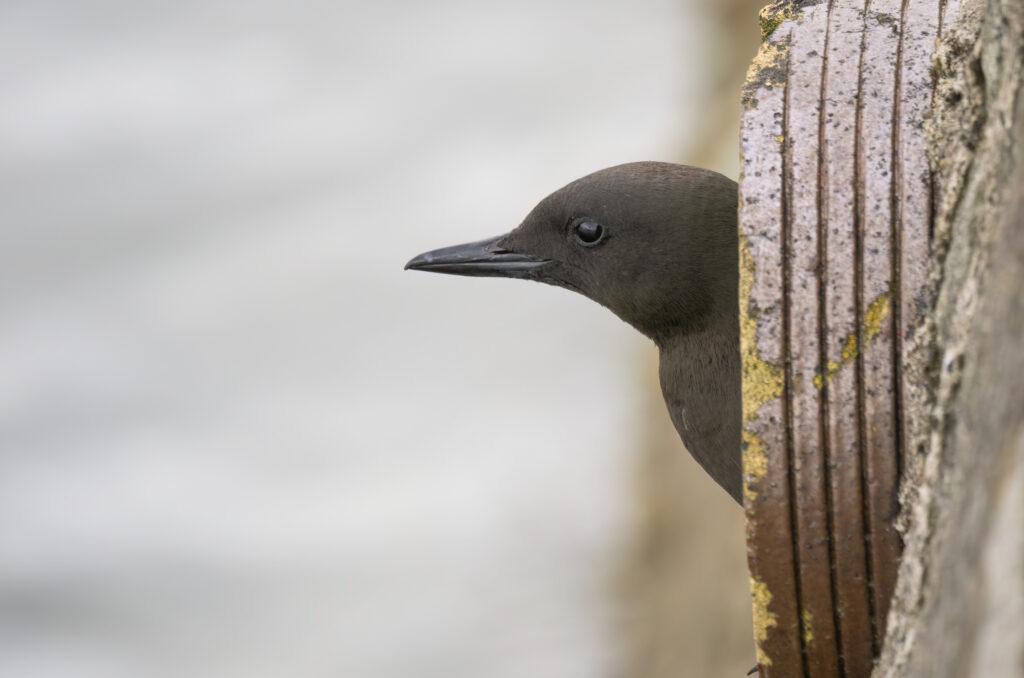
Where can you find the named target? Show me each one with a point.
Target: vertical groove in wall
(896, 198)
(787, 408)
(861, 335)
(823, 343)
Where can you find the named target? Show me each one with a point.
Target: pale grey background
(236, 439)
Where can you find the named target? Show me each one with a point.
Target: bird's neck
(699, 372)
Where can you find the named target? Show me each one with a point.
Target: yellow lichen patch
(876, 312)
(772, 15)
(769, 62)
(769, 66)
(807, 622)
(764, 618)
(850, 348)
(762, 381)
(755, 462)
(767, 69)
(780, 137)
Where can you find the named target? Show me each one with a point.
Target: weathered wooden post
(835, 219)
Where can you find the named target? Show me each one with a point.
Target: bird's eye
(589, 232)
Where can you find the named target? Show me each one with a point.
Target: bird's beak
(485, 258)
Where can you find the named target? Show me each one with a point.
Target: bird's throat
(700, 380)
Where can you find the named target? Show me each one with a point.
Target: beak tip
(416, 262)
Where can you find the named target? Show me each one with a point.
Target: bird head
(656, 243)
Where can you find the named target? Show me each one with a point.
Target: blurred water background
(236, 439)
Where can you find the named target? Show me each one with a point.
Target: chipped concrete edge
(968, 140)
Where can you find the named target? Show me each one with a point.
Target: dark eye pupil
(589, 231)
